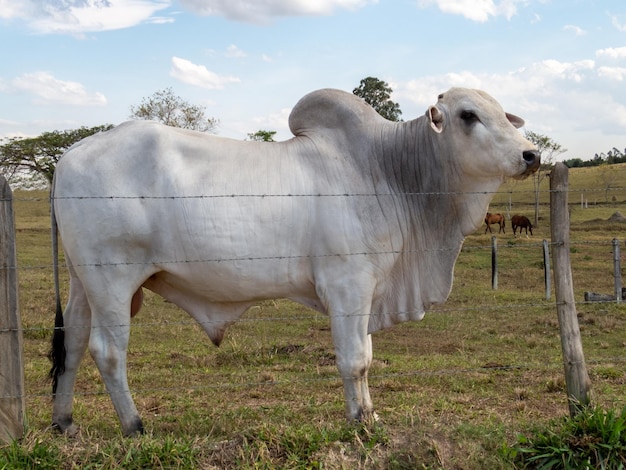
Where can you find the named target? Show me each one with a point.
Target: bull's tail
(57, 351)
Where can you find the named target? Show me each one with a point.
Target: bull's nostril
(531, 156)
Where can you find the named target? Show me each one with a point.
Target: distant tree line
(609, 158)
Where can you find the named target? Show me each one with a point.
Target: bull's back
(199, 207)
(143, 158)
(142, 179)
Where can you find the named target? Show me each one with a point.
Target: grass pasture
(452, 391)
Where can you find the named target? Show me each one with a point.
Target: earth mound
(617, 217)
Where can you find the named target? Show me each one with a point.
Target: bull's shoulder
(330, 109)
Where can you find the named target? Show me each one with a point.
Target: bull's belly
(235, 281)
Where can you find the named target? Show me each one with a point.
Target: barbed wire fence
(7, 328)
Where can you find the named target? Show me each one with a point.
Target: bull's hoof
(365, 417)
(69, 429)
(369, 418)
(135, 430)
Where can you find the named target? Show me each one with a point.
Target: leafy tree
(614, 156)
(262, 136)
(549, 151)
(574, 163)
(377, 93)
(38, 156)
(165, 107)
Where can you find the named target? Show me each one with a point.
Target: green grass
(452, 391)
(594, 438)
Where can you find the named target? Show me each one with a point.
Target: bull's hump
(330, 109)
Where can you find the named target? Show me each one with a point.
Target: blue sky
(560, 64)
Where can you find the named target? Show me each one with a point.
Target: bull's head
(481, 135)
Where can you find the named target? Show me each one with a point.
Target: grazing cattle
(350, 217)
(522, 222)
(495, 219)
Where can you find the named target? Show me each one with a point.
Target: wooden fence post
(11, 345)
(494, 263)
(576, 377)
(546, 268)
(617, 271)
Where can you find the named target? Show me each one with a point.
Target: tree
(610, 179)
(262, 136)
(38, 156)
(377, 93)
(549, 151)
(165, 107)
(614, 156)
(574, 163)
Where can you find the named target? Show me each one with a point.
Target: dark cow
(351, 217)
(522, 222)
(495, 219)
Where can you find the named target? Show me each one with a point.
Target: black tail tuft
(57, 351)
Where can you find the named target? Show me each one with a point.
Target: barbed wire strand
(337, 194)
(335, 377)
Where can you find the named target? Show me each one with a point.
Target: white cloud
(82, 16)
(50, 90)
(10, 9)
(578, 31)
(612, 52)
(475, 10)
(233, 51)
(7, 122)
(198, 75)
(278, 120)
(612, 73)
(619, 22)
(255, 11)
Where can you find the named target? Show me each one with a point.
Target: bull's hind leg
(77, 323)
(110, 332)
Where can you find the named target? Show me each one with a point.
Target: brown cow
(522, 222)
(494, 219)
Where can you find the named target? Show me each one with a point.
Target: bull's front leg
(353, 348)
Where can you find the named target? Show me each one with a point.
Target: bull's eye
(469, 117)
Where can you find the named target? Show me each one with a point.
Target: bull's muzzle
(532, 158)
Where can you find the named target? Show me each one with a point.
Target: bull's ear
(515, 120)
(436, 119)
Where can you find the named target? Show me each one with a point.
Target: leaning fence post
(617, 271)
(11, 346)
(546, 268)
(576, 377)
(494, 263)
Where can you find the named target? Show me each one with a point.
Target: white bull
(356, 216)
